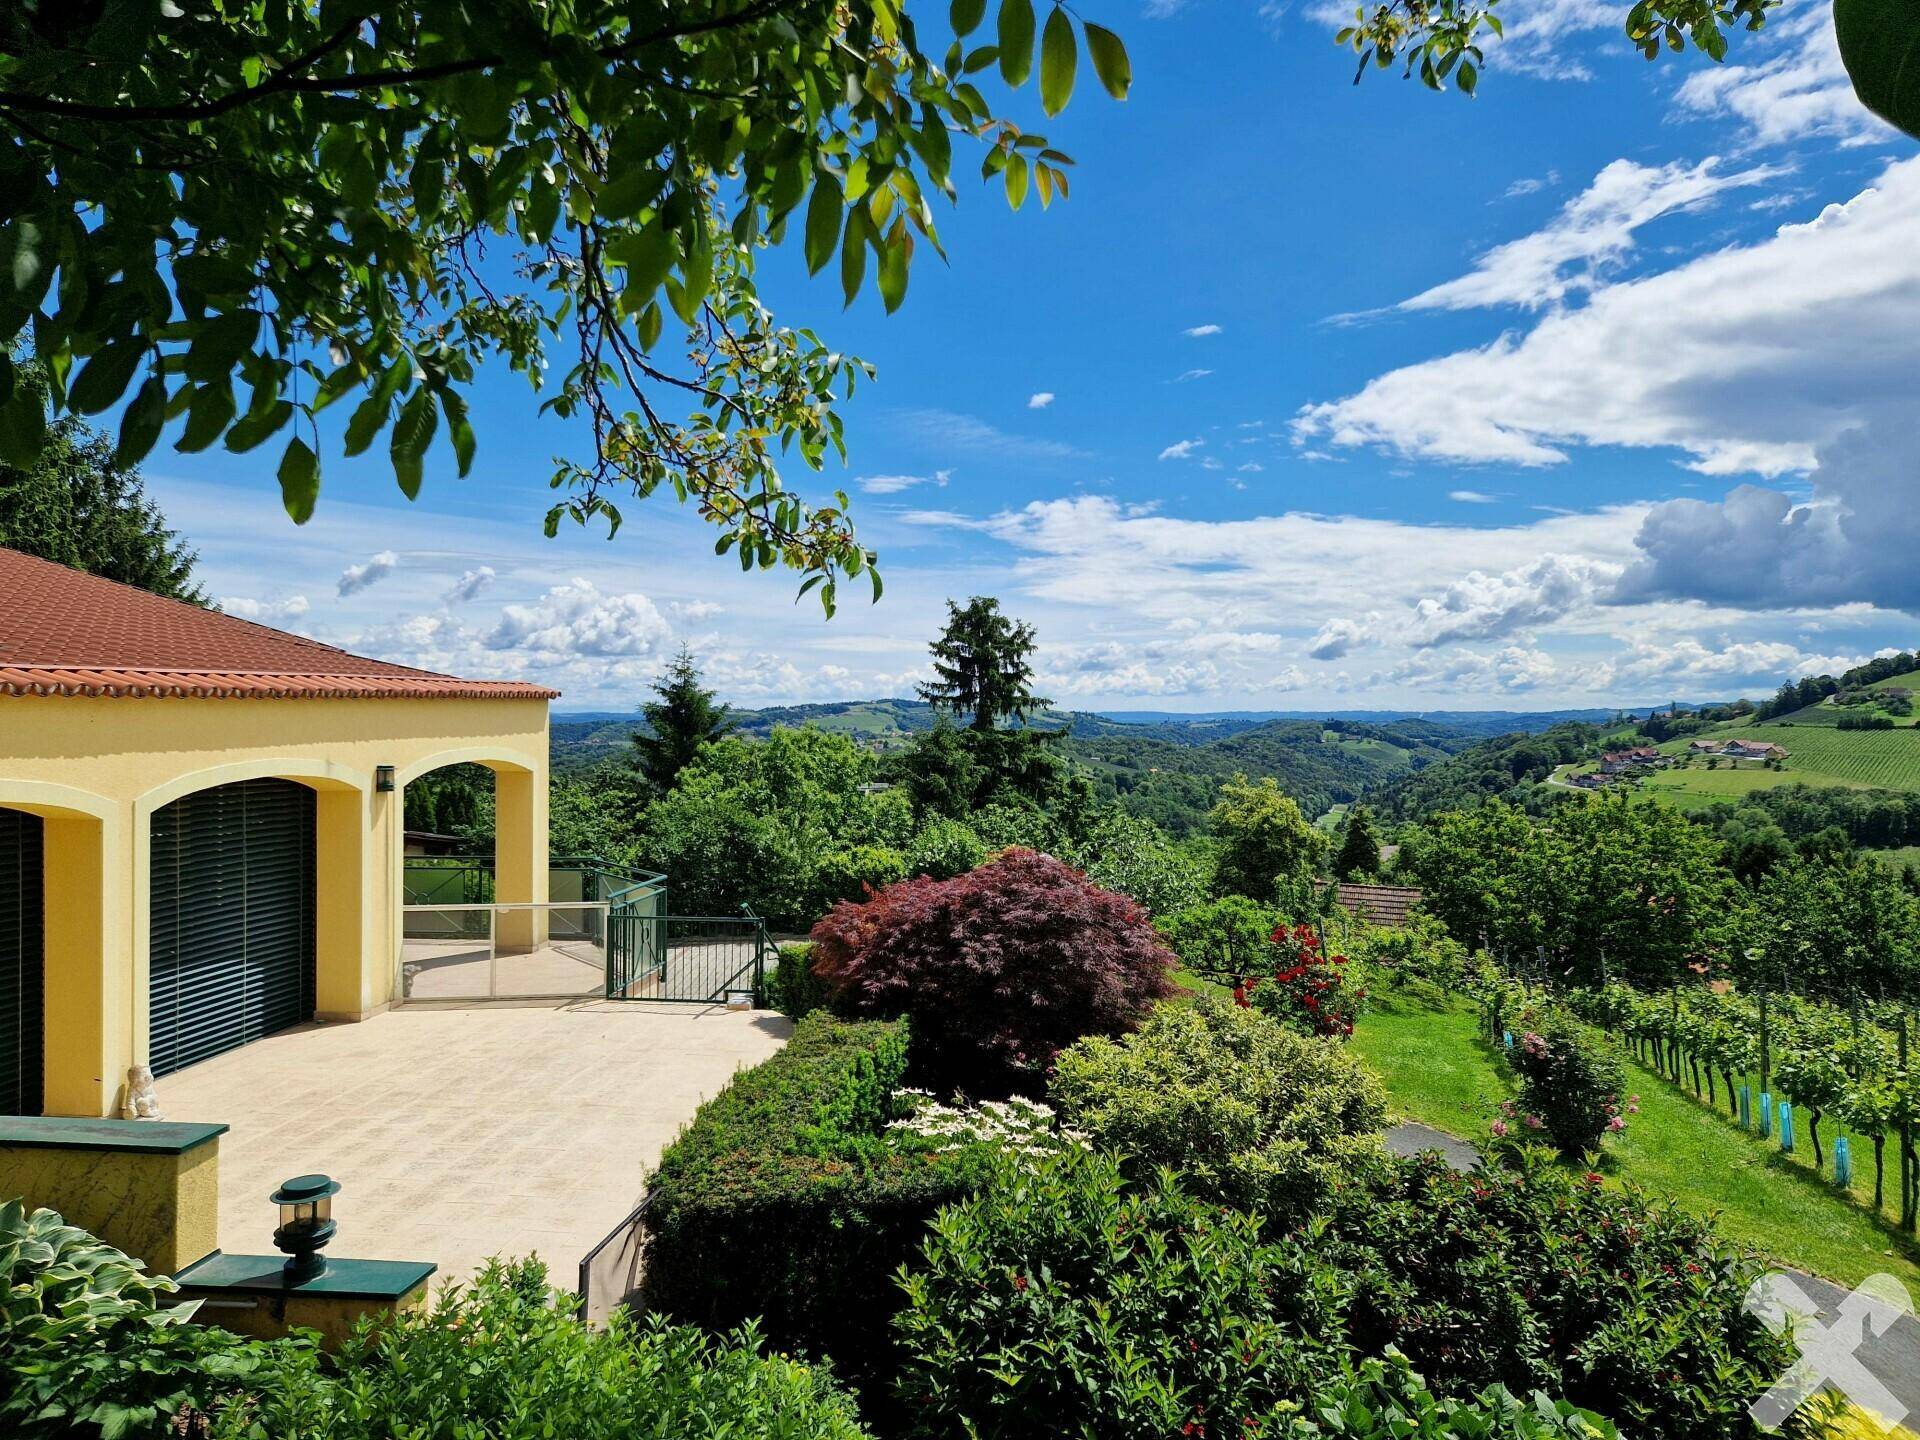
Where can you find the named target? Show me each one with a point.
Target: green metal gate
(232, 919)
(22, 963)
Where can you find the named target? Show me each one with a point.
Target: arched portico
(519, 837)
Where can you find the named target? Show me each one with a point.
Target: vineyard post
(1673, 1032)
(1766, 1090)
(1906, 1136)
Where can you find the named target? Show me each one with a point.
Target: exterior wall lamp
(383, 779)
(306, 1223)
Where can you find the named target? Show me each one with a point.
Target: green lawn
(1439, 1071)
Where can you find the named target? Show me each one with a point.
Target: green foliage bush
(1059, 1301)
(1571, 1082)
(501, 1359)
(1535, 1277)
(1246, 1112)
(944, 848)
(1419, 951)
(791, 987)
(854, 873)
(1224, 937)
(783, 1200)
(1268, 851)
(85, 1349)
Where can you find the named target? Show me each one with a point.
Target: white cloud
(950, 430)
(1479, 606)
(1251, 467)
(1746, 359)
(1786, 83)
(1645, 664)
(356, 578)
(1473, 497)
(1338, 637)
(265, 612)
(1531, 185)
(1040, 399)
(1181, 449)
(577, 618)
(1593, 231)
(1197, 332)
(470, 584)
(894, 484)
(1194, 374)
(694, 610)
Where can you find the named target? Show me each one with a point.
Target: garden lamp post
(306, 1223)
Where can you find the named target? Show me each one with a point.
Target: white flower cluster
(1025, 1127)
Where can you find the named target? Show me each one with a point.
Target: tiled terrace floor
(457, 1134)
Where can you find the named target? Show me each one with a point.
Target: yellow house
(201, 830)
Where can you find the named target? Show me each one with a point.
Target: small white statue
(143, 1102)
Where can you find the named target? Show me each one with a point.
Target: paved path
(1893, 1358)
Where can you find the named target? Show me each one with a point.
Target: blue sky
(1591, 389)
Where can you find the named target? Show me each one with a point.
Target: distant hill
(1504, 765)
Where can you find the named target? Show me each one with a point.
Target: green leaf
(967, 15)
(142, 422)
(412, 433)
(648, 255)
(649, 324)
(299, 480)
(459, 429)
(1880, 46)
(893, 267)
(103, 379)
(257, 426)
(209, 414)
(823, 221)
(1016, 41)
(368, 417)
(23, 428)
(853, 254)
(1110, 61)
(1059, 57)
(1016, 177)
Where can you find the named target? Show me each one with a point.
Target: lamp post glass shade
(306, 1222)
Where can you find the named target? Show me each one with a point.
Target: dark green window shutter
(232, 911)
(22, 962)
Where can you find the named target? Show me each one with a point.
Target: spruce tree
(983, 666)
(685, 717)
(1359, 849)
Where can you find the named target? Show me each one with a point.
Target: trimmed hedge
(782, 1200)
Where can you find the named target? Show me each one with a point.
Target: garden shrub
(1059, 1301)
(1307, 989)
(1245, 1111)
(1537, 1278)
(791, 987)
(784, 1200)
(857, 871)
(1417, 951)
(85, 1348)
(1224, 937)
(945, 848)
(998, 969)
(501, 1359)
(1383, 1398)
(1570, 1083)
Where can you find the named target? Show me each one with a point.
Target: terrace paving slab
(460, 1134)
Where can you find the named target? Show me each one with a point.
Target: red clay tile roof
(1377, 904)
(63, 632)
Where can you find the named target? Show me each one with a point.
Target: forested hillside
(1508, 765)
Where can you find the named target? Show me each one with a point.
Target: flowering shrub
(1245, 1111)
(1309, 989)
(1018, 1125)
(1570, 1085)
(997, 969)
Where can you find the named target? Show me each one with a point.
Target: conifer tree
(685, 717)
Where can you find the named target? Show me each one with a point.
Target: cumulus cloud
(1338, 637)
(1197, 332)
(1747, 359)
(470, 584)
(1688, 661)
(1181, 449)
(577, 618)
(694, 610)
(356, 578)
(265, 612)
(1040, 399)
(1787, 83)
(1513, 668)
(1479, 606)
(1593, 231)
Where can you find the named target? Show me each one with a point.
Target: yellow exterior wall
(160, 1207)
(334, 1316)
(98, 769)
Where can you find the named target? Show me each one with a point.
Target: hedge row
(781, 1200)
